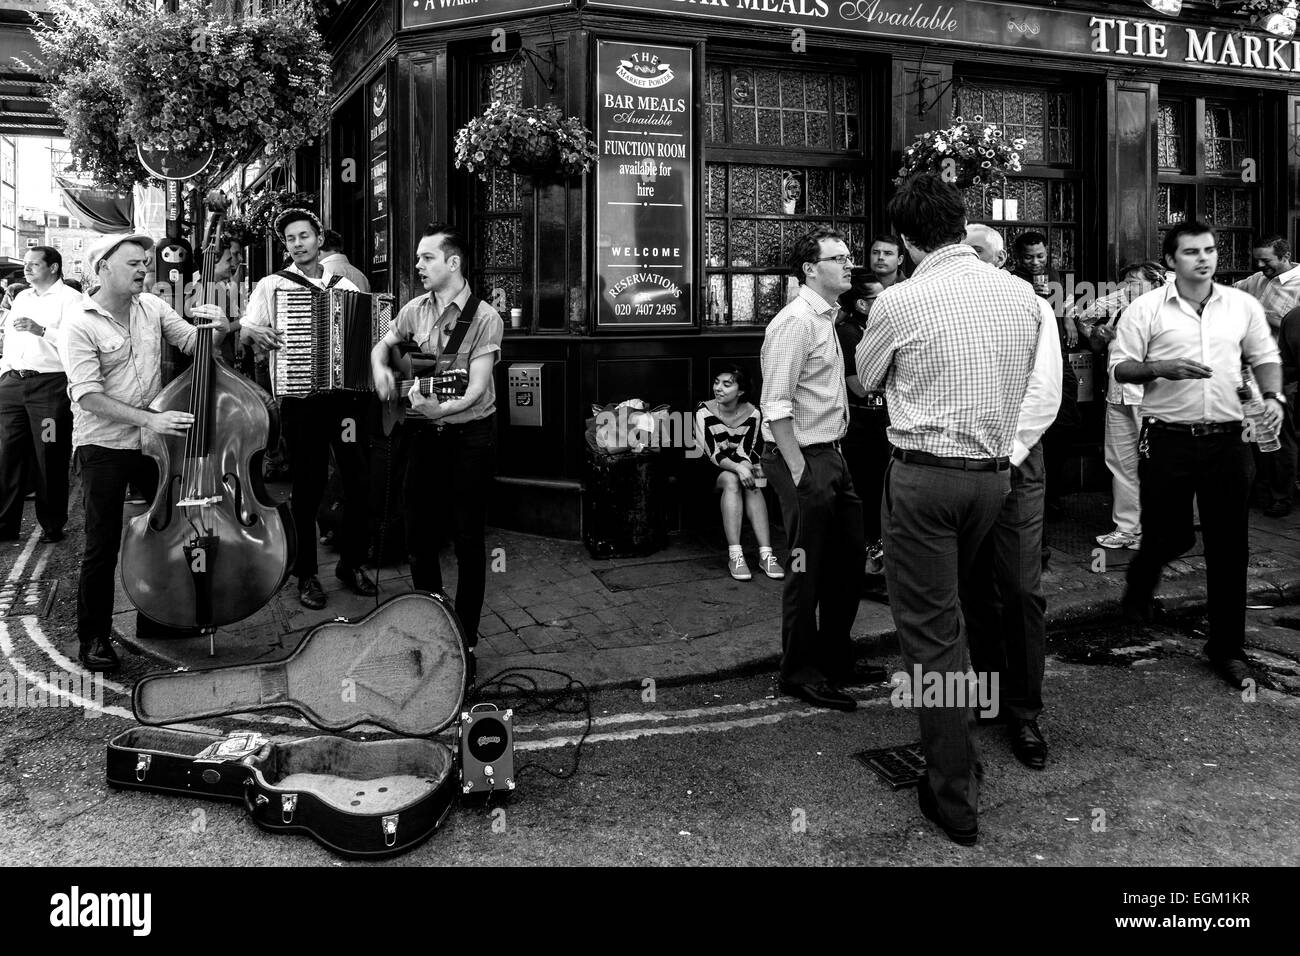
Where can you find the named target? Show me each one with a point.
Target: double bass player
(112, 353)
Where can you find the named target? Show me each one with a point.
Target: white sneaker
(769, 566)
(1120, 539)
(738, 568)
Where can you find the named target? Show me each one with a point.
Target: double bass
(213, 548)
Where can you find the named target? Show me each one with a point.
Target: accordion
(328, 335)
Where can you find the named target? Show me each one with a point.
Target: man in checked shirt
(805, 414)
(953, 347)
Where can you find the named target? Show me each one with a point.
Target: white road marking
(21, 563)
(550, 743)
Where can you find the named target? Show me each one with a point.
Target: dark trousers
(105, 473)
(448, 478)
(1277, 469)
(1003, 601)
(823, 526)
(1062, 434)
(866, 448)
(935, 522)
(312, 427)
(1217, 470)
(36, 420)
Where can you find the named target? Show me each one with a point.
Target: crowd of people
(922, 412)
(909, 426)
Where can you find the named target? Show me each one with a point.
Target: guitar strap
(463, 322)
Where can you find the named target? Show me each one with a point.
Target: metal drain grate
(28, 598)
(900, 767)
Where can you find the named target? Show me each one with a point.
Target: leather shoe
(930, 807)
(1028, 745)
(1236, 672)
(356, 581)
(819, 695)
(862, 672)
(98, 656)
(310, 593)
(50, 537)
(1278, 509)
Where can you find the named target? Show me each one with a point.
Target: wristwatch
(1280, 399)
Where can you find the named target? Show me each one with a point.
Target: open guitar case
(401, 667)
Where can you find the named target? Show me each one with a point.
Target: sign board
(377, 124)
(430, 13)
(1102, 35)
(645, 184)
(171, 165)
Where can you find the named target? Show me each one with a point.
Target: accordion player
(328, 335)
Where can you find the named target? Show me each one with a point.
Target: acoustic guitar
(449, 384)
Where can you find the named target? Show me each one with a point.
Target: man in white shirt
(315, 424)
(35, 414)
(1186, 343)
(1003, 599)
(334, 259)
(1277, 287)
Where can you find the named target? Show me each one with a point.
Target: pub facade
(727, 128)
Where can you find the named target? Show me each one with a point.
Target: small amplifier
(487, 749)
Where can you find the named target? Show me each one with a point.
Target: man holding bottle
(1186, 343)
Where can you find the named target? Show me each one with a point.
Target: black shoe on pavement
(1278, 509)
(356, 581)
(50, 537)
(930, 807)
(819, 695)
(310, 593)
(1028, 744)
(99, 657)
(1236, 672)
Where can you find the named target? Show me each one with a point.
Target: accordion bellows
(328, 335)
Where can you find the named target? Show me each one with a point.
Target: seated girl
(727, 428)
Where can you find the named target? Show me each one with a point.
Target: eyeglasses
(841, 259)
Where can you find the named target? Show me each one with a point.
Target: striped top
(721, 441)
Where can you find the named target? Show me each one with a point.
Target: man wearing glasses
(805, 415)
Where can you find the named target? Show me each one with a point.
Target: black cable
(572, 698)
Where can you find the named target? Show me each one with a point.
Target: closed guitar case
(401, 667)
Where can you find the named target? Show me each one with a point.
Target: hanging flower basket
(119, 76)
(534, 140)
(965, 154)
(263, 208)
(1277, 17)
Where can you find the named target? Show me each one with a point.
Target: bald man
(1003, 603)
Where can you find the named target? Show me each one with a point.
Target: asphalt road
(1153, 761)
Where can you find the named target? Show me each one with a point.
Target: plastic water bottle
(1253, 410)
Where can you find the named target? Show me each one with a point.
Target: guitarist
(314, 424)
(452, 444)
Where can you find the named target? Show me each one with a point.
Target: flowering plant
(263, 208)
(524, 140)
(965, 154)
(1263, 8)
(121, 77)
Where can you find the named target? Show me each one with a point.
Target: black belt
(28, 372)
(822, 445)
(1197, 429)
(963, 464)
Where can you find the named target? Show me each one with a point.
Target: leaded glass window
(1048, 193)
(1200, 147)
(496, 231)
(781, 108)
(775, 170)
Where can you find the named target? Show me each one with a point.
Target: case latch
(142, 762)
(390, 829)
(288, 803)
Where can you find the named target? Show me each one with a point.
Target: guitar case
(402, 667)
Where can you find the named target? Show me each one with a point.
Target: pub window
(1200, 176)
(775, 169)
(496, 215)
(1048, 191)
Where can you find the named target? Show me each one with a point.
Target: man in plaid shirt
(805, 414)
(953, 347)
